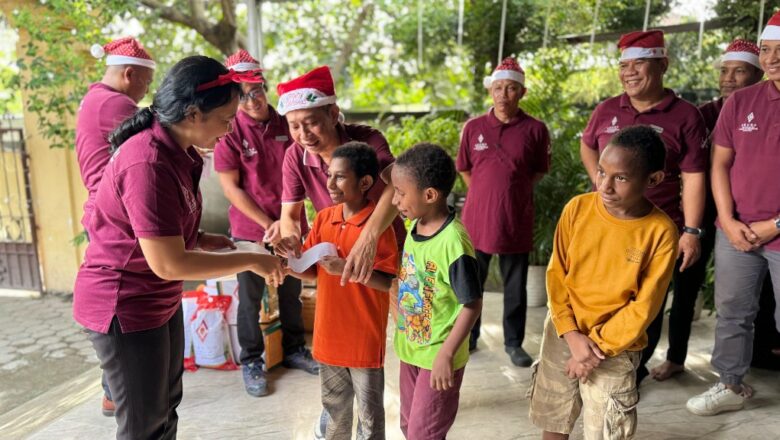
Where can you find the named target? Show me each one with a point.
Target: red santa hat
(242, 61)
(310, 90)
(123, 51)
(742, 50)
(772, 29)
(508, 69)
(642, 44)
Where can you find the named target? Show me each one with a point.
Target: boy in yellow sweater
(612, 261)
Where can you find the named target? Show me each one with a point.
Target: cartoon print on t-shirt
(414, 309)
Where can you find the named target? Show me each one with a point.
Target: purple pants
(426, 414)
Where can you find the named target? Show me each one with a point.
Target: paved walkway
(492, 405)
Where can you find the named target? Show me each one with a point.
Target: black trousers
(686, 287)
(250, 294)
(514, 273)
(143, 370)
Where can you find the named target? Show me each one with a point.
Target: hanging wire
(501, 36)
(595, 22)
(419, 34)
(547, 24)
(647, 15)
(760, 22)
(460, 22)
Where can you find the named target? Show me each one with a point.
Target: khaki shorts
(609, 396)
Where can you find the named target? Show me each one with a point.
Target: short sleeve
(387, 260)
(114, 111)
(382, 148)
(463, 161)
(464, 279)
(152, 197)
(723, 134)
(696, 155)
(227, 156)
(293, 190)
(589, 135)
(314, 234)
(542, 150)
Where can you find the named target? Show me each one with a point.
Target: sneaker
(519, 357)
(716, 400)
(322, 426)
(302, 360)
(255, 382)
(107, 407)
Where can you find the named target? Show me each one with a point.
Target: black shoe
(519, 357)
(255, 382)
(302, 360)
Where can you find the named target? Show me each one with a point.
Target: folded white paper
(311, 256)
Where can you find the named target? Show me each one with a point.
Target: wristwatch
(699, 232)
(777, 222)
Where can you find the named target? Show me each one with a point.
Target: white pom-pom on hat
(97, 51)
(487, 81)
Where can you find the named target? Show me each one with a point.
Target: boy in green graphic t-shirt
(439, 294)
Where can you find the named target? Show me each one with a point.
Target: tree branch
(349, 43)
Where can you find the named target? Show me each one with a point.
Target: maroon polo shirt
(102, 109)
(680, 125)
(256, 150)
(306, 175)
(149, 189)
(749, 124)
(710, 111)
(502, 159)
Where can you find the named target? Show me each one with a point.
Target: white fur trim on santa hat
(504, 74)
(121, 60)
(244, 67)
(303, 98)
(741, 56)
(771, 33)
(632, 53)
(97, 51)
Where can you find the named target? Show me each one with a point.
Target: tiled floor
(492, 405)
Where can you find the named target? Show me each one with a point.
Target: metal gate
(19, 268)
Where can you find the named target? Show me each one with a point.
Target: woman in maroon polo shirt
(143, 241)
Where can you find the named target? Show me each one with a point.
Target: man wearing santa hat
(681, 195)
(129, 71)
(309, 103)
(249, 163)
(746, 188)
(509, 150)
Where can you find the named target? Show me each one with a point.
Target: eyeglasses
(252, 94)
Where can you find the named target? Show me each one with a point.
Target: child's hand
(442, 377)
(583, 349)
(576, 370)
(333, 265)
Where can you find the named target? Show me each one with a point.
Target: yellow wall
(57, 191)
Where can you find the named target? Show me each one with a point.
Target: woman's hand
(270, 268)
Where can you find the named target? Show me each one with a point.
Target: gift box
(272, 337)
(308, 301)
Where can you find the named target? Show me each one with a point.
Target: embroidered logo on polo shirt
(192, 204)
(657, 129)
(614, 128)
(247, 150)
(481, 145)
(749, 126)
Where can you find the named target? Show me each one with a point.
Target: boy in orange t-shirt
(350, 321)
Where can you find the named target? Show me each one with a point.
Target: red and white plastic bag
(210, 333)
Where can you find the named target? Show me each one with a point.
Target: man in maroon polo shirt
(249, 163)
(681, 195)
(509, 150)
(309, 103)
(129, 71)
(746, 188)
